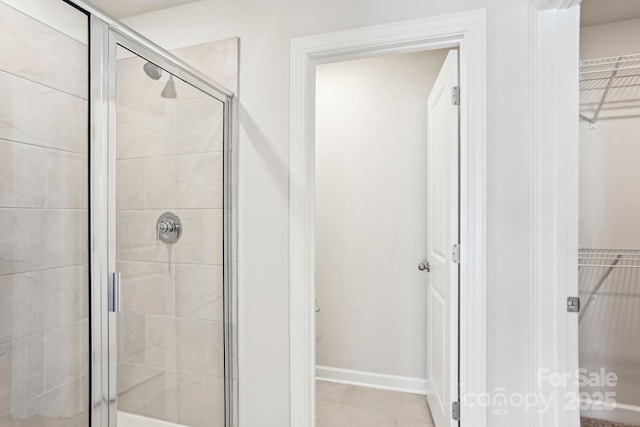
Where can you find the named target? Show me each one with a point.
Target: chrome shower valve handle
(168, 228)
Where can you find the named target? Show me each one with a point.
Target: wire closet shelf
(611, 269)
(610, 88)
(609, 258)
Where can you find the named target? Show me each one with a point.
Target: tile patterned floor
(591, 422)
(341, 405)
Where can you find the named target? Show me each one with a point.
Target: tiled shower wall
(43, 225)
(169, 158)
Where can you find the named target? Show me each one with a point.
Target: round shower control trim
(168, 228)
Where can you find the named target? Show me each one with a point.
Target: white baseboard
(373, 380)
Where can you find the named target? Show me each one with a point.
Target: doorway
(465, 31)
(609, 236)
(386, 221)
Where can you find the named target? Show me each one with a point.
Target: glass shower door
(167, 246)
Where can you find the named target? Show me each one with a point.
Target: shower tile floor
(341, 405)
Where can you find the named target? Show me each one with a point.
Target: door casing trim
(554, 31)
(468, 32)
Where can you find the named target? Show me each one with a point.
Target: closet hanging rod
(607, 254)
(608, 266)
(607, 70)
(610, 253)
(616, 250)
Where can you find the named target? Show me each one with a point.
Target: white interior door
(442, 345)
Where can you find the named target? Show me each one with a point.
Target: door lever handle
(424, 266)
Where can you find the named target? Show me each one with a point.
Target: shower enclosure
(117, 290)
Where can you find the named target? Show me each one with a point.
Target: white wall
(609, 177)
(615, 39)
(266, 30)
(371, 228)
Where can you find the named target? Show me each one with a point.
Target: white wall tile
(37, 52)
(131, 375)
(136, 237)
(198, 125)
(199, 181)
(34, 302)
(155, 397)
(132, 339)
(148, 287)
(199, 291)
(220, 61)
(161, 188)
(67, 180)
(162, 351)
(22, 175)
(185, 181)
(43, 256)
(192, 55)
(23, 362)
(130, 184)
(5, 372)
(66, 353)
(212, 232)
(39, 239)
(68, 403)
(36, 114)
(191, 251)
(200, 347)
(200, 400)
(143, 131)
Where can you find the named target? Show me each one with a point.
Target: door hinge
(573, 304)
(455, 95)
(455, 253)
(455, 410)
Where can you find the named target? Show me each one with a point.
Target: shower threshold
(126, 419)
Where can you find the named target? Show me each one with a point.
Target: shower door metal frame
(106, 34)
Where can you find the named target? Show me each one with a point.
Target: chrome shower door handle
(115, 293)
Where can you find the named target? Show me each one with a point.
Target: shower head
(152, 70)
(169, 90)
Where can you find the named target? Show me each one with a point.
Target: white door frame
(468, 31)
(554, 34)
